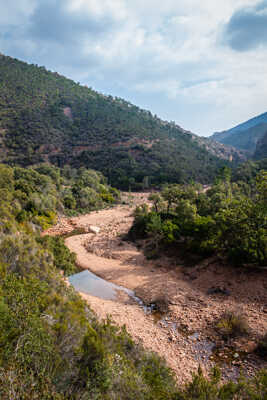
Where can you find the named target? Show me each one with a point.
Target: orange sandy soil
(191, 309)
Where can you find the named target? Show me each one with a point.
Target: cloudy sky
(201, 63)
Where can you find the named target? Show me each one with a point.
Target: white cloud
(114, 8)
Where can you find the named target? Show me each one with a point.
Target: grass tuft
(232, 324)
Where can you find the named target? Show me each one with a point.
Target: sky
(202, 64)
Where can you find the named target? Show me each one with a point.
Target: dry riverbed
(197, 296)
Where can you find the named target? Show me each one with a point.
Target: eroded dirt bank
(185, 335)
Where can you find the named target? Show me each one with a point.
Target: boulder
(218, 290)
(93, 229)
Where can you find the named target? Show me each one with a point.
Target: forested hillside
(46, 117)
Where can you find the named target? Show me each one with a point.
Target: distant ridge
(244, 136)
(262, 118)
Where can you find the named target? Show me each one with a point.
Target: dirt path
(192, 310)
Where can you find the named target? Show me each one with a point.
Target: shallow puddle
(89, 283)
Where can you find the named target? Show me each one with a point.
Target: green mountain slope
(46, 117)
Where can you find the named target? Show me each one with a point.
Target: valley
(133, 252)
(184, 332)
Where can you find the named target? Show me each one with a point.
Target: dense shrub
(63, 259)
(229, 218)
(37, 197)
(201, 388)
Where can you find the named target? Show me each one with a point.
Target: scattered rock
(218, 290)
(171, 337)
(93, 229)
(249, 347)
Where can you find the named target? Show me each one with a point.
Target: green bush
(69, 202)
(232, 324)
(107, 198)
(64, 260)
(201, 388)
(45, 221)
(229, 218)
(139, 227)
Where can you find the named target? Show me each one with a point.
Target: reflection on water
(89, 283)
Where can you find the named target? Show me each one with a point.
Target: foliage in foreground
(229, 218)
(38, 193)
(52, 347)
(51, 344)
(201, 388)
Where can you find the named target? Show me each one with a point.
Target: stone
(93, 229)
(218, 290)
(249, 347)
